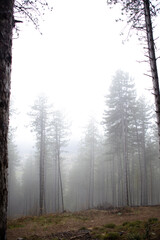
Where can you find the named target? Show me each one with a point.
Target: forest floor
(130, 223)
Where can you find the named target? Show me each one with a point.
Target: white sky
(73, 61)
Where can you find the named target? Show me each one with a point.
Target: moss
(111, 236)
(15, 225)
(134, 224)
(110, 225)
(98, 236)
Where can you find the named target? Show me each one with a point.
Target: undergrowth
(128, 230)
(45, 220)
(135, 230)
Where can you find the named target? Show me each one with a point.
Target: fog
(82, 124)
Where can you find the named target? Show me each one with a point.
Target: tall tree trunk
(41, 176)
(113, 181)
(125, 157)
(61, 185)
(152, 59)
(145, 179)
(60, 177)
(91, 177)
(55, 185)
(139, 186)
(6, 24)
(120, 181)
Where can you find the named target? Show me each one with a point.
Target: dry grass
(51, 224)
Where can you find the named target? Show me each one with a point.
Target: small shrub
(98, 236)
(132, 224)
(111, 236)
(148, 227)
(125, 223)
(153, 220)
(99, 230)
(120, 228)
(133, 236)
(110, 225)
(147, 231)
(135, 224)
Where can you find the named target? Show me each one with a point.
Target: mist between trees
(118, 167)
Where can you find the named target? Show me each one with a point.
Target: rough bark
(152, 59)
(6, 23)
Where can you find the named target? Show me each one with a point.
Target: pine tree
(140, 17)
(118, 119)
(39, 125)
(58, 139)
(83, 175)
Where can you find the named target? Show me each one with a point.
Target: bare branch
(147, 75)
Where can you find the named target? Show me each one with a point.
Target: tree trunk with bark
(41, 170)
(152, 59)
(60, 181)
(6, 25)
(125, 157)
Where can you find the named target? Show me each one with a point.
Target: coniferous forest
(103, 158)
(115, 164)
